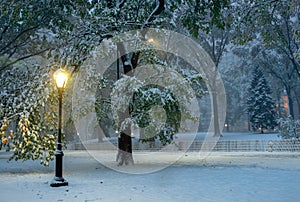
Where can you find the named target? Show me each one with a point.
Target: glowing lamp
(61, 77)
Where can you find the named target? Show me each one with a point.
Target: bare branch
(17, 37)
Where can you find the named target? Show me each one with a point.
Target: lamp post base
(58, 182)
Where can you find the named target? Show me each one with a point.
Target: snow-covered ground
(220, 177)
(231, 136)
(249, 136)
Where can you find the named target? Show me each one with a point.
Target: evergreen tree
(260, 106)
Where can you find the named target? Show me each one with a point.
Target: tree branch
(22, 58)
(17, 37)
(3, 32)
(130, 64)
(160, 7)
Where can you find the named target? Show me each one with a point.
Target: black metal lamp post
(61, 78)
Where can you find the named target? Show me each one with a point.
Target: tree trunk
(124, 155)
(249, 123)
(298, 118)
(215, 114)
(227, 125)
(291, 103)
(124, 141)
(130, 63)
(215, 109)
(261, 129)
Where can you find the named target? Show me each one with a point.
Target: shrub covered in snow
(289, 128)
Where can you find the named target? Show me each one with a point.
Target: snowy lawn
(231, 136)
(220, 177)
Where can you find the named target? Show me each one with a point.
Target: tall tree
(215, 42)
(74, 27)
(130, 62)
(67, 31)
(282, 70)
(235, 72)
(275, 24)
(210, 25)
(260, 106)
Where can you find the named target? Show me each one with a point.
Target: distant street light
(151, 40)
(61, 78)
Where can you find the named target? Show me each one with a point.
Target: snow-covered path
(221, 177)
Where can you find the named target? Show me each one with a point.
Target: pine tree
(260, 106)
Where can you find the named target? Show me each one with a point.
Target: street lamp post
(61, 78)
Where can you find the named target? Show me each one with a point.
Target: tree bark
(124, 155)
